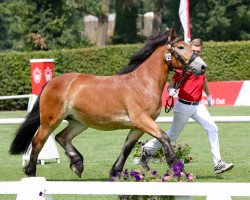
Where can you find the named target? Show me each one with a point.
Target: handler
(189, 105)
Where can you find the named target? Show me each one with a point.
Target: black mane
(145, 52)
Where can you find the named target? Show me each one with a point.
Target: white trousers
(182, 113)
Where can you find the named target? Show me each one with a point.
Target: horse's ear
(172, 34)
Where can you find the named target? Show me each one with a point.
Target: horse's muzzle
(200, 71)
(198, 66)
(203, 69)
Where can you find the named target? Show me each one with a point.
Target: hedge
(226, 60)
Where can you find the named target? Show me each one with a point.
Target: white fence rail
(217, 191)
(216, 119)
(23, 96)
(31, 97)
(149, 188)
(9, 121)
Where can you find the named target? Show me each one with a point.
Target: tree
(158, 11)
(43, 24)
(3, 33)
(125, 26)
(221, 20)
(12, 28)
(49, 24)
(103, 23)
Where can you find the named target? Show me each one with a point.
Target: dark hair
(139, 57)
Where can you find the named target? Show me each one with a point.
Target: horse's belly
(111, 126)
(102, 123)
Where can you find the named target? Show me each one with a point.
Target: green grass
(100, 150)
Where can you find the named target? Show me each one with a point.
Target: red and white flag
(184, 18)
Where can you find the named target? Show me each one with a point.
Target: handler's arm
(206, 90)
(171, 85)
(205, 87)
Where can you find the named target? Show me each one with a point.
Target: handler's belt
(194, 103)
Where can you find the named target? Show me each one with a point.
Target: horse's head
(180, 56)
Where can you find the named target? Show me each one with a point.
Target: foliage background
(227, 61)
(60, 23)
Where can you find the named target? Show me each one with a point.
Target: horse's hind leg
(38, 142)
(130, 142)
(65, 137)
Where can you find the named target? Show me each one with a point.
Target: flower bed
(175, 174)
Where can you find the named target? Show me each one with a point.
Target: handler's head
(197, 46)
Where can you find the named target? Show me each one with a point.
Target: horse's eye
(181, 47)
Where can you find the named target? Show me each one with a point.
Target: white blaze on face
(198, 66)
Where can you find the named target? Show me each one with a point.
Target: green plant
(182, 152)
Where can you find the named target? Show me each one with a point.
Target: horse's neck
(154, 70)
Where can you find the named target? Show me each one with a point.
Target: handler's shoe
(144, 158)
(223, 167)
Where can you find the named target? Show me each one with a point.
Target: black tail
(26, 131)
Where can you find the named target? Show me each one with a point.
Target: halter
(178, 57)
(170, 100)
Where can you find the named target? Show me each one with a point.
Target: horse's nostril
(203, 67)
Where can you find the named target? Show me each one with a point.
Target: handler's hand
(209, 100)
(172, 92)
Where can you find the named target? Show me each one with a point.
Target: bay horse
(130, 99)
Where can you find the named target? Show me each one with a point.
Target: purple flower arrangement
(174, 174)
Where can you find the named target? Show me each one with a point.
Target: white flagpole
(185, 19)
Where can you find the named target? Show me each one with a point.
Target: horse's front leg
(148, 125)
(130, 142)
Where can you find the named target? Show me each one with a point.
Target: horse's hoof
(31, 176)
(30, 172)
(77, 171)
(114, 173)
(76, 164)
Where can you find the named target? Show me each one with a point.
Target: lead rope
(170, 100)
(169, 104)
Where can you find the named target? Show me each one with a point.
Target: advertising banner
(42, 71)
(224, 93)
